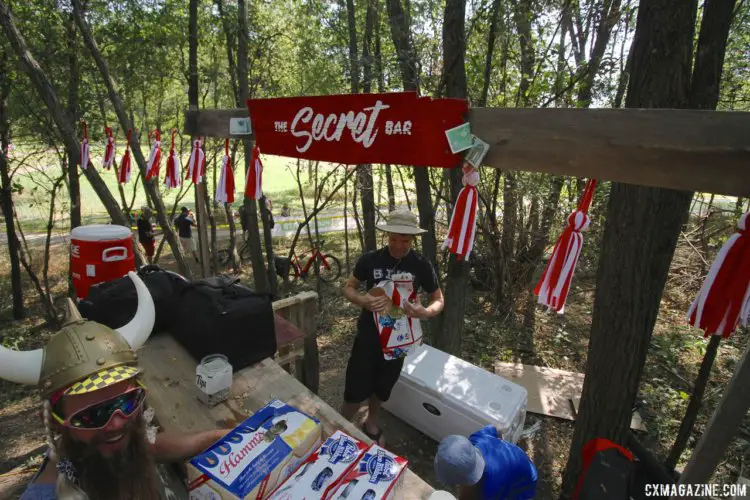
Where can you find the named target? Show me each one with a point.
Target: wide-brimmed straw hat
(402, 222)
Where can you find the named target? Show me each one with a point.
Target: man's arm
(365, 300)
(178, 446)
(435, 307)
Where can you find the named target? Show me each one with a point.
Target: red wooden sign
(397, 128)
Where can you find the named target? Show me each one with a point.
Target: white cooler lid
(463, 385)
(100, 232)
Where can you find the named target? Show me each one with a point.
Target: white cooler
(439, 395)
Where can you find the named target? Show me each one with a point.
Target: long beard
(129, 474)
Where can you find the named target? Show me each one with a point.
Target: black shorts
(368, 372)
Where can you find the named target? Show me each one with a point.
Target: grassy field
(36, 177)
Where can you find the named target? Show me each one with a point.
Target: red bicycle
(329, 266)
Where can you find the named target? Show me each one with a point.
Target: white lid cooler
(439, 395)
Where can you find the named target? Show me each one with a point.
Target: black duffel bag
(114, 303)
(219, 316)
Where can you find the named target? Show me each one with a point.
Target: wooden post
(722, 428)
(309, 365)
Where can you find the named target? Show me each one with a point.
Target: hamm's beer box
(374, 477)
(318, 477)
(255, 457)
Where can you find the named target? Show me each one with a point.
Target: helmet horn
(137, 331)
(21, 367)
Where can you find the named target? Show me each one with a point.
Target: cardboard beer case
(399, 334)
(374, 477)
(319, 476)
(255, 457)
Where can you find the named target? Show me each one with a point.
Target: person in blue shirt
(485, 467)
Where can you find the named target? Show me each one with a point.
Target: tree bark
(523, 16)
(381, 89)
(704, 94)
(150, 186)
(494, 15)
(364, 172)
(450, 333)
(6, 191)
(639, 239)
(608, 15)
(201, 194)
(407, 61)
(74, 189)
(251, 208)
(49, 95)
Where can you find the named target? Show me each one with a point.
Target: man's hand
(375, 303)
(416, 311)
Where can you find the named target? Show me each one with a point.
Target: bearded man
(101, 444)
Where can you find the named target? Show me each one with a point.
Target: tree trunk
(150, 186)
(639, 239)
(608, 16)
(522, 13)
(193, 102)
(381, 89)
(251, 211)
(49, 95)
(704, 94)
(450, 333)
(364, 172)
(6, 191)
(73, 186)
(407, 61)
(494, 15)
(265, 217)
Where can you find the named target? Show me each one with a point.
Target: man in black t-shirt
(185, 223)
(369, 376)
(146, 233)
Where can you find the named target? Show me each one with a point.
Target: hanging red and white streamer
(724, 299)
(124, 173)
(109, 150)
(225, 189)
(463, 225)
(196, 163)
(554, 285)
(254, 179)
(85, 153)
(154, 159)
(173, 177)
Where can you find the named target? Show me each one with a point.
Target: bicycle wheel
(330, 268)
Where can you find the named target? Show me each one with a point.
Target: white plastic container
(213, 377)
(439, 395)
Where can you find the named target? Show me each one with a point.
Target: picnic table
(170, 377)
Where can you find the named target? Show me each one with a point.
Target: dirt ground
(555, 341)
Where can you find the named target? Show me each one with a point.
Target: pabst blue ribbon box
(374, 477)
(319, 476)
(254, 458)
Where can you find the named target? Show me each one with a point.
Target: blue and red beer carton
(253, 459)
(319, 476)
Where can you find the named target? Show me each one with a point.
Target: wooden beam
(706, 151)
(722, 427)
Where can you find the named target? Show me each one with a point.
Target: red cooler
(98, 253)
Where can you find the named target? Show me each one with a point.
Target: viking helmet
(83, 350)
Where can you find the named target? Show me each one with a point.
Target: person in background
(485, 467)
(146, 233)
(185, 224)
(285, 212)
(369, 376)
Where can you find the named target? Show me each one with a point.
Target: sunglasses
(98, 415)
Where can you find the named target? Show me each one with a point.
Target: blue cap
(458, 462)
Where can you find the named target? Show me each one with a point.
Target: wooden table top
(170, 378)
